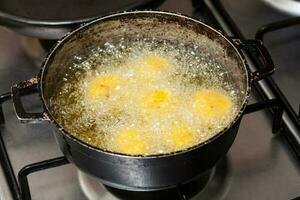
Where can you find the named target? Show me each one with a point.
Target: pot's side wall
(138, 173)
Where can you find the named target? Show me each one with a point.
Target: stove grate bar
(20, 190)
(266, 87)
(278, 112)
(35, 167)
(260, 35)
(8, 171)
(276, 26)
(4, 157)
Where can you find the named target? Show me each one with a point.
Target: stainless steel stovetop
(259, 165)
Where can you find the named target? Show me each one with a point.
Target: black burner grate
(293, 137)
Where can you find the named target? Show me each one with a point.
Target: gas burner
(288, 6)
(212, 184)
(92, 189)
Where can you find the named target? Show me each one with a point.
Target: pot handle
(26, 87)
(261, 50)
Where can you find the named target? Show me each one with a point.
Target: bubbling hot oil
(145, 97)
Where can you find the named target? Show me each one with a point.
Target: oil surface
(145, 97)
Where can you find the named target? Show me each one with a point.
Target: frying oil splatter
(145, 97)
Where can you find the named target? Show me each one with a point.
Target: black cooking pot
(143, 173)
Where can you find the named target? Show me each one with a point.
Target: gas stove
(259, 165)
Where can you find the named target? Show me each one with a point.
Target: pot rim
(67, 36)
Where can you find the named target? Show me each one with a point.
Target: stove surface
(260, 165)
